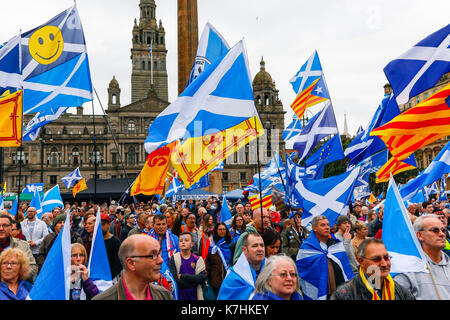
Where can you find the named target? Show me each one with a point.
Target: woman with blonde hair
(15, 268)
(81, 286)
(361, 231)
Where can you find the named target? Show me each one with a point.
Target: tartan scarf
(388, 290)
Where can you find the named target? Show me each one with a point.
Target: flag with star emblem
(314, 94)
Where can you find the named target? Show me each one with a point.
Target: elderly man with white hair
(430, 232)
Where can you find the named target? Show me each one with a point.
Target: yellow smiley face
(46, 44)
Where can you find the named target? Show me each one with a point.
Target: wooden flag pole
(259, 175)
(434, 282)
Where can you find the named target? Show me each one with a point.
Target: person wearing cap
(112, 245)
(47, 242)
(293, 236)
(343, 233)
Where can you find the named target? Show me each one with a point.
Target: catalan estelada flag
(11, 119)
(152, 177)
(394, 166)
(417, 127)
(312, 95)
(80, 186)
(256, 203)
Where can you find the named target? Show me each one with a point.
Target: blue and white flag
(2, 204)
(430, 190)
(10, 69)
(14, 207)
(52, 199)
(203, 182)
(331, 151)
(309, 72)
(293, 129)
(271, 177)
(418, 198)
(53, 281)
(437, 168)
(443, 188)
(165, 271)
(225, 215)
(321, 127)
(211, 47)
(370, 165)
(364, 145)
(31, 187)
(98, 263)
(37, 203)
(421, 67)
(219, 167)
(71, 179)
(220, 98)
(329, 197)
(312, 266)
(398, 235)
(175, 186)
(40, 119)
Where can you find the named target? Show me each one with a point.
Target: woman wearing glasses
(278, 280)
(81, 286)
(15, 268)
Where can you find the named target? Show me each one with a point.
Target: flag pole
(259, 175)
(434, 282)
(94, 153)
(284, 186)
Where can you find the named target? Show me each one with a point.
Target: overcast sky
(355, 39)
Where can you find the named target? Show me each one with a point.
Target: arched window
(131, 155)
(114, 98)
(75, 157)
(54, 157)
(131, 126)
(266, 100)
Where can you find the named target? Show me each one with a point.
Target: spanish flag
(417, 127)
(256, 203)
(152, 177)
(11, 119)
(80, 186)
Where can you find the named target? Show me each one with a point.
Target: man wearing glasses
(7, 241)
(141, 259)
(435, 285)
(373, 281)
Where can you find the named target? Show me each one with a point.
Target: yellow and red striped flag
(392, 166)
(256, 203)
(307, 98)
(417, 127)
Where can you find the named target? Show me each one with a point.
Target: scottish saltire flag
(175, 186)
(219, 167)
(271, 177)
(370, 165)
(98, 263)
(329, 197)
(398, 235)
(312, 266)
(37, 203)
(10, 72)
(421, 67)
(430, 190)
(322, 126)
(442, 188)
(210, 48)
(2, 205)
(71, 179)
(55, 65)
(221, 98)
(53, 280)
(309, 72)
(435, 170)
(51, 199)
(165, 271)
(418, 198)
(202, 183)
(14, 207)
(225, 213)
(293, 129)
(40, 119)
(364, 145)
(331, 151)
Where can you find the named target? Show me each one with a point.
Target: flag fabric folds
(53, 280)
(312, 266)
(421, 67)
(393, 166)
(225, 213)
(271, 177)
(321, 127)
(292, 130)
(442, 188)
(309, 72)
(422, 124)
(331, 151)
(435, 170)
(71, 179)
(37, 203)
(175, 186)
(329, 197)
(80, 186)
(151, 179)
(312, 95)
(52, 199)
(398, 235)
(255, 201)
(98, 263)
(11, 119)
(210, 47)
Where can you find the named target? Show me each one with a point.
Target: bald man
(141, 259)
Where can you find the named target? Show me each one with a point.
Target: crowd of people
(181, 251)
